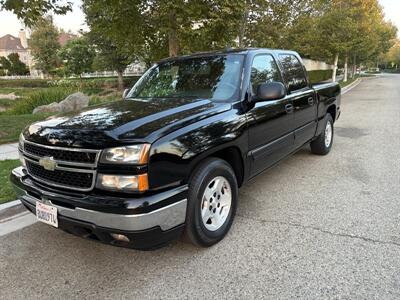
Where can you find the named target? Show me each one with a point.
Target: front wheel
(323, 144)
(212, 202)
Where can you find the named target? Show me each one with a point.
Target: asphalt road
(313, 228)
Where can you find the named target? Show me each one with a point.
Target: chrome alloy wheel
(328, 134)
(216, 203)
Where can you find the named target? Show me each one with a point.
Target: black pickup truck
(169, 158)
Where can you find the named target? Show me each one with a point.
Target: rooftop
(10, 42)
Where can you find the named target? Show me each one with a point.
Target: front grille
(61, 177)
(61, 154)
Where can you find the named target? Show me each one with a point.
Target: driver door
(271, 135)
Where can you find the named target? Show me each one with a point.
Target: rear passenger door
(270, 122)
(303, 97)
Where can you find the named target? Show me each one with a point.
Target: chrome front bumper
(166, 217)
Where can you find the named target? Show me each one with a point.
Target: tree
(392, 57)
(109, 56)
(44, 45)
(5, 64)
(13, 65)
(77, 56)
(165, 28)
(115, 43)
(354, 30)
(17, 67)
(32, 11)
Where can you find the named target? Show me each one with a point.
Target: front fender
(173, 157)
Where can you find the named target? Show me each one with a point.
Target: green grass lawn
(23, 92)
(6, 192)
(349, 81)
(12, 125)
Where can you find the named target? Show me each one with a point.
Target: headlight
(135, 154)
(124, 183)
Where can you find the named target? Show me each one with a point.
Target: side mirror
(270, 91)
(125, 93)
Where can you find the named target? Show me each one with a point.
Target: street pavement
(313, 227)
(9, 151)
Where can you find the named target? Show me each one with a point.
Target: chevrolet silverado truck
(167, 159)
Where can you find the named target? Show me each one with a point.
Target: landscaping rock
(52, 107)
(73, 102)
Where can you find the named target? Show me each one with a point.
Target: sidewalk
(9, 151)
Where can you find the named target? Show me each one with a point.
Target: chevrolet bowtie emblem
(48, 163)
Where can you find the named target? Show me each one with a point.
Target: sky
(75, 20)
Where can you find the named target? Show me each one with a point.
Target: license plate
(46, 214)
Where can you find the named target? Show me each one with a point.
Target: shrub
(319, 75)
(94, 83)
(395, 71)
(41, 97)
(27, 83)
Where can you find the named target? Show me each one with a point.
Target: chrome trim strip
(61, 162)
(63, 168)
(166, 217)
(67, 149)
(70, 187)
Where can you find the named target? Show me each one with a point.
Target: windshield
(212, 77)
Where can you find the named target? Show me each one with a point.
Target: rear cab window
(294, 72)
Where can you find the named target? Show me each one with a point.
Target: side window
(264, 69)
(294, 72)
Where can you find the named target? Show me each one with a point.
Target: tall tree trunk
(355, 65)
(172, 34)
(335, 67)
(346, 64)
(243, 23)
(120, 80)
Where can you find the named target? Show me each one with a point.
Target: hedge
(90, 83)
(93, 83)
(319, 75)
(395, 71)
(26, 83)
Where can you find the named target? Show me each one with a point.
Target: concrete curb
(9, 204)
(351, 86)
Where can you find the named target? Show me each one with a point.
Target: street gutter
(351, 86)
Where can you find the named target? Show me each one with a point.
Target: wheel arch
(231, 154)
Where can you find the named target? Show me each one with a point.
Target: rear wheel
(323, 144)
(212, 202)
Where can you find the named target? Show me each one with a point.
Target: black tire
(318, 146)
(195, 230)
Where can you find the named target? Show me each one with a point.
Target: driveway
(312, 227)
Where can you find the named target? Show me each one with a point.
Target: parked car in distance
(169, 158)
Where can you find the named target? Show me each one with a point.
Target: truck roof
(225, 51)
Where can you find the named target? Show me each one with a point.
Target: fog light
(120, 237)
(123, 182)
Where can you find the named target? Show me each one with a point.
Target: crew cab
(169, 157)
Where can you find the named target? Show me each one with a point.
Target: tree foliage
(77, 56)
(333, 30)
(33, 10)
(44, 45)
(392, 58)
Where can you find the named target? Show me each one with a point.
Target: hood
(122, 121)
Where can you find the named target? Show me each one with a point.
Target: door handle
(311, 101)
(289, 108)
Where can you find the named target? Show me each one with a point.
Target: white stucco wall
(312, 65)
